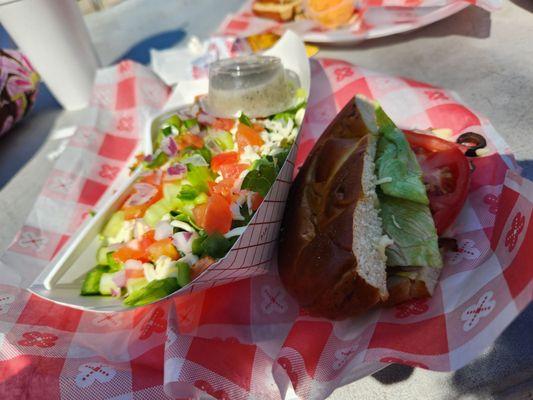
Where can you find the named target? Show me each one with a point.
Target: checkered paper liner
(378, 18)
(248, 338)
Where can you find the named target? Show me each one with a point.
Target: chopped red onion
(133, 264)
(235, 232)
(195, 129)
(206, 119)
(114, 247)
(177, 170)
(148, 158)
(183, 241)
(163, 230)
(119, 278)
(169, 146)
(143, 193)
(197, 160)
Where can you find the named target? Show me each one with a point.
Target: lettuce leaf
(404, 205)
(410, 225)
(396, 162)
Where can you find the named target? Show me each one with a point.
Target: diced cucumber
(107, 286)
(216, 245)
(184, 273)
(189, 123)
(155, 212)
(157, 161)
(155, 290)
(224, 140)
(101, 255)
(171, 191)
(134, 284)
(197, 248)
(199, 176)
(174, 120)
(91, 284)
(114, 265)
(114, 225)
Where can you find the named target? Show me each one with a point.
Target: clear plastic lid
(256, 85)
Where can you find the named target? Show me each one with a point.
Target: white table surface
(487, 59)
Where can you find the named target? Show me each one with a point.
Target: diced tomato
(162, 248)
(126, 253)
(143, 196)
(229, 157)
(223, 124)
(190, 140)
(134, 273)
(152, 177)
(247, 136)
(232, 171)
(199, 214)
(257, 199)
(201, 265)
(134, 212)
(217, 216)
(223, 188)
(146, 240)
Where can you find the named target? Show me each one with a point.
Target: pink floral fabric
(18, 88)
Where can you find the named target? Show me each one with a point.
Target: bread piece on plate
(279, 10)
(330, 257)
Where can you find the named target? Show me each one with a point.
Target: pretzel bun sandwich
(279, 10)
(358, 230)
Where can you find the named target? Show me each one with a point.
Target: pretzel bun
(329, 255)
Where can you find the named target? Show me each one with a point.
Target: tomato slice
(229, 157)
(446, 174)
(215, 215)
(247, 136)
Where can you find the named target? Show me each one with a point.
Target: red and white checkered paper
(378, 18)
(248, 338)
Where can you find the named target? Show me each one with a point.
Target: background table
(487, 59)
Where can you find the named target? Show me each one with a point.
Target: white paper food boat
(251, 254)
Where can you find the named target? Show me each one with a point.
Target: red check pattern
(377, 18)
(235, 333)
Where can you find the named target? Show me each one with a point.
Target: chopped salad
(193, 200)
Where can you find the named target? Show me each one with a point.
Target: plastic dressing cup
(255, 85)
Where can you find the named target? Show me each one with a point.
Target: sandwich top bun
(279, 10)
(331, 255)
